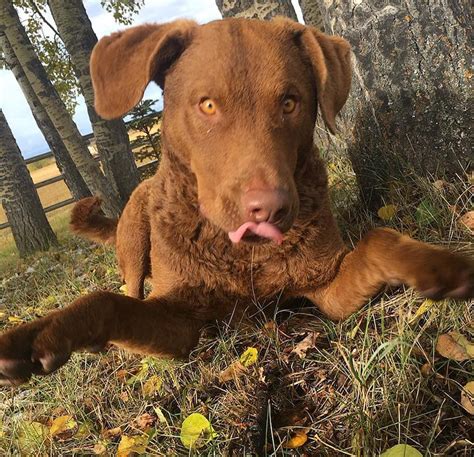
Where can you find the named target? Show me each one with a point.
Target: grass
(369, 383)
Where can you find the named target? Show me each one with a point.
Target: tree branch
(41, 15)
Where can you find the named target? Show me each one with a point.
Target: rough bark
(256, 9)
(312, 13)
(62, 121)
(66, 166)
(410, 109)
(30, 228)
(111, 137)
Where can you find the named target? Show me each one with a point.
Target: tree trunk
(312, 13)
(66, 166)
(410, 109)
(30, 228)
(62, 121)
(111, 137)
(257, 9)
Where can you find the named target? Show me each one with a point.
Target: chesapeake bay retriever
(239, 208)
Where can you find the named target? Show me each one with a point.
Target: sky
(14, 105)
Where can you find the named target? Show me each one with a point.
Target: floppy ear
(330, 58)
(123, 63)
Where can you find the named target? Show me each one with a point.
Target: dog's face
(240, 105)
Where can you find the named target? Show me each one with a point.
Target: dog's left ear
(330, 58)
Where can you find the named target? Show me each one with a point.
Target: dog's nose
(266, 205)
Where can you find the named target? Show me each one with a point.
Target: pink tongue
(263, 229)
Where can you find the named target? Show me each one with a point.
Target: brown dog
(238, 211)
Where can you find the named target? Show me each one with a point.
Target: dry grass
(359, 391)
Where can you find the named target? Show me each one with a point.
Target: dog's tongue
(263, 229)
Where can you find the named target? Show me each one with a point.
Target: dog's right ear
(123, 63)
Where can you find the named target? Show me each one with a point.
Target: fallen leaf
(455, 346)
(249, 357)
(15, 319)
(467, 397)
(31, 435)
(232, 372)
(467, 220)
(387, 212)
(63, 427)
(83, 431)
(159, 414)
(298, 440)
(145, 421)
(308, 342)
(426, 369)
(270, 328)
(99, 448)
(112, 433)
(402, 450)
(152, 386)
(130, 445)
(422, 309)
(196, 431)
(440, 184)
(123, 289)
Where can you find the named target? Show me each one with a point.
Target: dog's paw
(29, 349)
(438, 273)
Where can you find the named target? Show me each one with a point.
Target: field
(316, 388)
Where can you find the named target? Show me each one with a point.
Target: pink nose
(266, 205)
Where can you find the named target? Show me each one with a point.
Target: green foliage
(50, 50)
(144, 119)
(123, 10)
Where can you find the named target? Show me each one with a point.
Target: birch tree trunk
(411, 105)
(54, 107)
(256, 9)
(111, 137)
(30, 228)
(66, 166)
(312, 13)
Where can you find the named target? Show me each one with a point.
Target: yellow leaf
(15, 319)
(123, 289)
(152, 386)
(132, 444)
(296, 441)
(402, 450)
(424, 307)
(159, 414)
(233, 371)
(455, 346)
(196, 431)
(467, 397)
(2, 314)
(387, 212)
(83, 431)
(31, 435)
(62, 424)
(249, 357)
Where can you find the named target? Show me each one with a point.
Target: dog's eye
(208, 106)
(289, 105)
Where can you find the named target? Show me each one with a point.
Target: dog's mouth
(253, 231)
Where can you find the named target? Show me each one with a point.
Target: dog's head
(240, 105)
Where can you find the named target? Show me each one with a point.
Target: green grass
(358, 392)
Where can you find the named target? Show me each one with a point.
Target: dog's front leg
(385, 256)
(151, 326)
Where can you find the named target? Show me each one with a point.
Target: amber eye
(289, 105)
(208, 106)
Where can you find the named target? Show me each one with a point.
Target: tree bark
(312, 13)
(30, 228)
(111, 137)
(66, 166)
(256, 9)
(411, 106)
(62, 121)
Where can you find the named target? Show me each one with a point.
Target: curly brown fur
(244, 160)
